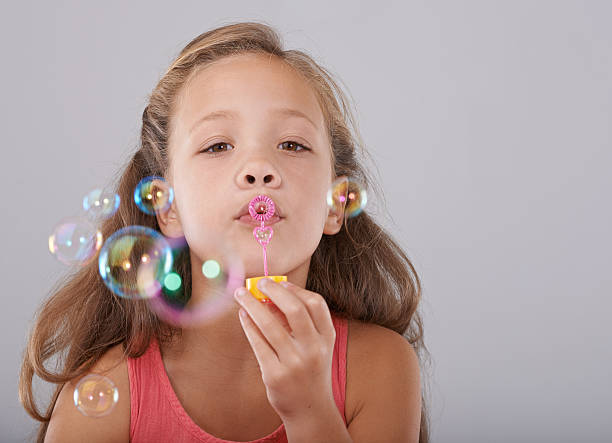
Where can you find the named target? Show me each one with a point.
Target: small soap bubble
(153, 195)
(347, 195)
(75, 241)
(100, 203)
(95, 395)
(134, 262)
(223, 272)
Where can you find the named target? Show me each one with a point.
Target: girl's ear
(169, 222)
(335, 216)
(333, 223)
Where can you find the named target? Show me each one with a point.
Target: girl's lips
(248, 220)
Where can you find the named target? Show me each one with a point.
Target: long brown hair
(361, 271)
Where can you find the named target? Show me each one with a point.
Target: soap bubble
(222, 271)
(95, 395)
(75, 241)
(134, 262)
(347, 195)
(100, 203)
(153, 195)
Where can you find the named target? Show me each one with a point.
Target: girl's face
(228, 144)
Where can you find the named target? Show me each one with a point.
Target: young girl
(233, 117)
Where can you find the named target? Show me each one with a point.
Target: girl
(233, 117)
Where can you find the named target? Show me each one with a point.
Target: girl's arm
(69, 425)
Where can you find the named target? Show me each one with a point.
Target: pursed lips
(247, 219)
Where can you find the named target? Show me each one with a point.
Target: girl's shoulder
(68, 424)
(378, 359)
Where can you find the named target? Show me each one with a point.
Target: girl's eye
(294, 144)
(212, 150)
(218, 147)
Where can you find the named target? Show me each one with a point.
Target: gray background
(488, 121)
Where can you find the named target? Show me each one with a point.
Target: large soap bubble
(222, 271)
(134, 262)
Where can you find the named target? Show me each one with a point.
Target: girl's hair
(361, 271)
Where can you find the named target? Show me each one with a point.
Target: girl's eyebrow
(228, 114)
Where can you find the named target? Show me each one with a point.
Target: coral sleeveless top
(157, 415)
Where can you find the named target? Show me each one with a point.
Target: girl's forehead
(248, 85)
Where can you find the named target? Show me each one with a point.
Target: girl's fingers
(319, 311)
(306, 311)
(263, 352)
(292, 307)
(269, 328)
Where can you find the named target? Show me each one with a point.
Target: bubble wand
(262, 209)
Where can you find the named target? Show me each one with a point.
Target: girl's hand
(295, 358)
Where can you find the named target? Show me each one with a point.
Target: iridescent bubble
(100, 203)
(348, 195)
(153, 195)
(75, 241)
(95, 395)
(134, 262)
(223, 272)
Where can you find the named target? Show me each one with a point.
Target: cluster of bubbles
(75, 241)
(137, 262)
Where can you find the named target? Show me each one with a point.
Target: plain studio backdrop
(490, 126)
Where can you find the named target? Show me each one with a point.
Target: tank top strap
(339, 363)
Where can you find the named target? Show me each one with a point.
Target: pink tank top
(158, 416)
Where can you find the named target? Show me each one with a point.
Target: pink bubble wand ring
(262, 209)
